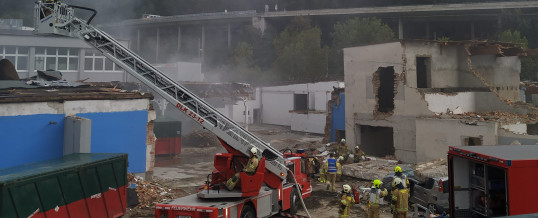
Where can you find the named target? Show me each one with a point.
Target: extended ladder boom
(59, 19)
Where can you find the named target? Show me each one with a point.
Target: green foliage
(529, 68)
(356, 32)
(243, 53)
(514, 37)
(300, 56)
(443, 39)
(361, 31)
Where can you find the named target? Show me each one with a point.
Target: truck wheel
(248, 212)
(432, 208)
(294, 201)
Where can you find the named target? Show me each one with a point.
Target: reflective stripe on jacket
(376, 196)
(401, 197)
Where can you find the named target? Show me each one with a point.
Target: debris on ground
(433, 169)
(150, 192)
(200, 138)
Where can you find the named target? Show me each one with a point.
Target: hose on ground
(300, 193)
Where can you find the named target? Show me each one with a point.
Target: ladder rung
(167, 87)
(106, 44)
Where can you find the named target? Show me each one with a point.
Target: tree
(514, 37)
(300, 56)
(356, 32)
(243, 68)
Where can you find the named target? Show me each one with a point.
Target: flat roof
(19, 92)
(506, 152)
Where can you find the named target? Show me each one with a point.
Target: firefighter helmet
(377, 183)
(396, 182)
(397, 169)
(254, 151)
(346, 188)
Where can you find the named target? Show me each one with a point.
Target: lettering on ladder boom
(190, 113)
(243, 138)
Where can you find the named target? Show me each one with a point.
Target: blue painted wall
(121, 132)
(338, 119)
(30, 138)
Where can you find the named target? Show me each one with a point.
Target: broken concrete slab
(433, 169)
(371, 170)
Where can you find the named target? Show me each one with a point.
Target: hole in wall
(377, 141)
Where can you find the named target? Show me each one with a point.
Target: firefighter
(251, 167)
(400, 199)
(342, 150)
(375, 199)
(323, 172)
(311, 167)
(339, 168)
(346, 202)
(331, 172)
(358, 155)
(398, 174)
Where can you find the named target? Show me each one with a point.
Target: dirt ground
(182, 174)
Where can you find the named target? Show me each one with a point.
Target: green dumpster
(75, 185)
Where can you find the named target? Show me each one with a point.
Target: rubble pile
(370, 170)
(149, 192)
(432, 169)
(200, 138)
(501, 116)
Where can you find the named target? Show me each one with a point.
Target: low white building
(303, 107)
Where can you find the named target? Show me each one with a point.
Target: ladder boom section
(63, 22)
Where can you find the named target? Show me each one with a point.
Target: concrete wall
(499, 72)
(466, 101)
(518, 128)
(277, 105)
(444, 63)
(360, 63)
(35, 131)
(449, 69)
(433, 136)
(508, 138)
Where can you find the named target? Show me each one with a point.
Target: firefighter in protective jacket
(400, 199)
(375, 199)
(346, 202)
(342, 150)
(251, 167)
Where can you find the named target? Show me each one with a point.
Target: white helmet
(396, 181)
(347, 188)
(340, 158)
(254, 151)
(357, 147)
(343, 140)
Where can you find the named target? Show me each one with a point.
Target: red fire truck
(260, 195)
(490, 181)
(280, 181)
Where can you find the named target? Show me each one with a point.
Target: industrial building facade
(73, 57)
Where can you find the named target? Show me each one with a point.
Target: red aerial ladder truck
(280, 181)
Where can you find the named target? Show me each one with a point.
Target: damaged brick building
(414, 98)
